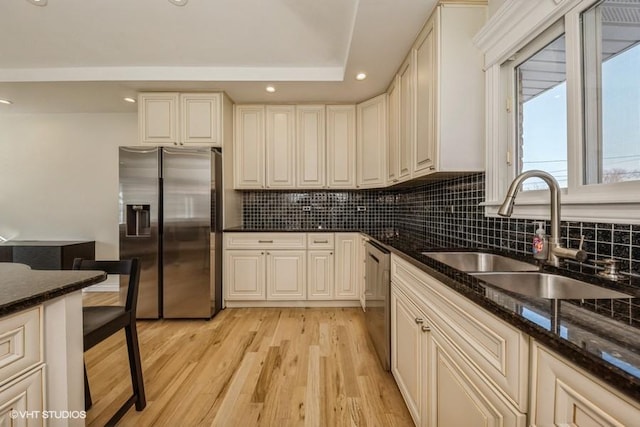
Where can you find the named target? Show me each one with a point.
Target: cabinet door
(286, 279)
(280, 146)
(407, 117)
(158, 118)
(393, 146)
(372, 142)
(407, 353)
(248, 147)
(425, 142)
(563, 395)
(26, 393)
(200, 118)
(244, 275)
(341, 146)
(320, 275)
(311, 146)
(347, 270)
(458, 396)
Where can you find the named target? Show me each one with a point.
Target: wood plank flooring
(249, 367)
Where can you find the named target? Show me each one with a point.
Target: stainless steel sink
(550, 286)
(478, 261)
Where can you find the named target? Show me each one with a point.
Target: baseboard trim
(282, 304)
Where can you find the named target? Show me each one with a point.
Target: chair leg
(135, 365)
(87, 391)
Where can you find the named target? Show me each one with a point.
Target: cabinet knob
(330, 253)
(261, 253)
(268, 253)
(175, 143)
(419, 320)
(425, 328)
(182, 143)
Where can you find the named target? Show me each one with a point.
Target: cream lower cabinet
(347, 266)
(286, 275)
(262, 274)
(290, 268)
(320, 270)
(563, 395)
(442, 375)
(244, 273)
(408, 352)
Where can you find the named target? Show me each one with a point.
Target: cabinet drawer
(498, 350)
(265, 241)
(25, 394)
(320, 240)
(20, 342)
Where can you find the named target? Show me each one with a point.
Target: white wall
(59, 176)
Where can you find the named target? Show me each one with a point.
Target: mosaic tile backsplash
(437, 214)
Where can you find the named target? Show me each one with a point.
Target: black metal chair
(100, 322)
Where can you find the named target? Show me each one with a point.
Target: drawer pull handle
(425, 328)
(265, 241)
(320, 241)
(419, 320)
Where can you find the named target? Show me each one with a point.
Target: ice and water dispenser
(138, 220)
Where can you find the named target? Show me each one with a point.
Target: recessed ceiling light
(178, 2)
(131, 100)
(270, 89)
(361, 76)
(38, 2)
(5, 101)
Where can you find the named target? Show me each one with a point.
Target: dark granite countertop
(44, 243)
(21, 287)
(604, 346)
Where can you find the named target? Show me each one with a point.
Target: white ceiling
(84, 55)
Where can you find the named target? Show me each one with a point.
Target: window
(611, 69)
(541, 94)
(563, 88)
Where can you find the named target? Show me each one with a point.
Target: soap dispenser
(540, 245)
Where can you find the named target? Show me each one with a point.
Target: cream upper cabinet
(170, 118)
(200, 118)
(425, 145)
(372, 142)
(341, 146)
(158, 117)
(249, 147)
(393, 145)
(458, 95)
(301, 146)
(280, 146)
(562, 394)
(311, 146)
(407, 140)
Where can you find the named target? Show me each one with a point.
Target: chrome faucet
(556, 251)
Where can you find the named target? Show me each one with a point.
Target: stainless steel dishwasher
(377, 300)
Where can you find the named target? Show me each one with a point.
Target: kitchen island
(41, 344)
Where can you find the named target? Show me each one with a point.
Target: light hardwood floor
(249, 367)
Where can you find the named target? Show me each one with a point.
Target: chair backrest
(129, 267)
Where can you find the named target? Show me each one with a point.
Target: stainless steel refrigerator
(170, 217)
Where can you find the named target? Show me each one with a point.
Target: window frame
(515, 27)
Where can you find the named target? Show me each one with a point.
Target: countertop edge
(41, 297)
